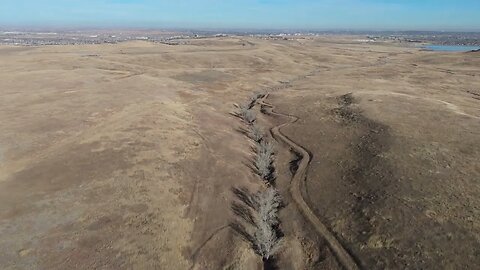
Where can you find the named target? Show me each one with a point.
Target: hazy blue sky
(319, 14)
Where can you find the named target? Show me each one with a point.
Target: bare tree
(269, 201)
(242, 110)
(255, 133)
(263, 164)
(245, 113)
(264, 161)
(260, 212)
(249, 116)
(265, 147)
(266, 241)
(253, 99)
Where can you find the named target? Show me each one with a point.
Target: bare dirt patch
(205, 76)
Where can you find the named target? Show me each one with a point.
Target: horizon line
(236, 29)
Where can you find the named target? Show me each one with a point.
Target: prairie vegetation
(246, 114)
(255, 133)
(264, 161)
(257, 213)
(258, 224)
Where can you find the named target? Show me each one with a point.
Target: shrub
(245, 113)
(255, 133)
(266, 241)
(242, 110)
(253, 99)
(263, 164)
(265, 147)
(249, 116)
(264, 159)
(269, 202)
(260, 211)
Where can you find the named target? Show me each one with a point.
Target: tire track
(344, 258)
(282, 86)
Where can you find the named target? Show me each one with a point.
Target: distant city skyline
(435, 15)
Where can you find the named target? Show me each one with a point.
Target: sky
(462, 15)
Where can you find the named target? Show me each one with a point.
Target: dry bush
(255, 133)
(265, 147)
(266, 240)
(264, 161)
(269, 201)
(249, 116)
(253, 99)
(263, 164)
(244, 112)
(260, 213)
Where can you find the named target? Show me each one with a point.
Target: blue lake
(451, 48)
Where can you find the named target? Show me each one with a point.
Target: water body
(451, 48)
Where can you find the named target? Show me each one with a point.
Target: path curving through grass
(344, 258)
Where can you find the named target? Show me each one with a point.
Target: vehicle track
(344, 258)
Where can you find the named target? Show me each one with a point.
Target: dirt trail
(342, 255)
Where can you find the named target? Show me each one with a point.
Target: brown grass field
(124, 156)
